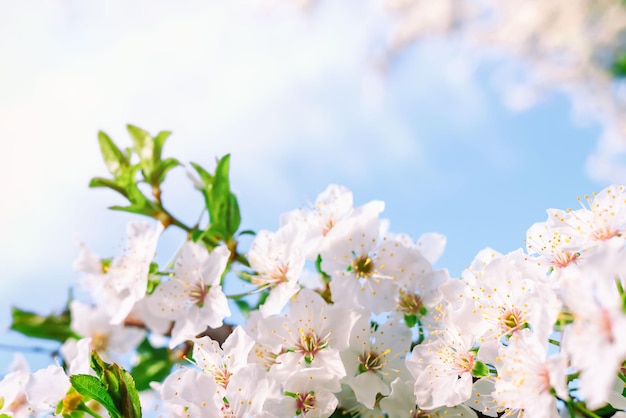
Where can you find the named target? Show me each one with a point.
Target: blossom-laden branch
(339, 316)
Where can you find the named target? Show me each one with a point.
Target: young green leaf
(120, 386)
(91, 387)
(131, 404)
(114, 158)
(480, 369)
(159, 141)
(51, 327)
(244, 307)
(161, 170)
(142, 143)
(618, 68)
(111, 184)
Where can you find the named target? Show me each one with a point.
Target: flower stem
(83, 407)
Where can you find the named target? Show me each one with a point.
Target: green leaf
(205, 176)
(97, 364)
(142, 142)
(618, 69)
(139, 209)
(224, 208)
(606, 411)
(91, 387)
(131, 404)
(112, 381)
(215, 233)
(114, 158)
(154, 365)
(233, 215)
(149, 150)
(480, 369)
(162, 168)
(111, 184)
(221, 203)
(410, 320)
(196, 235)
(51, 327)
(120, 386)
(244, 307)
(159, 141)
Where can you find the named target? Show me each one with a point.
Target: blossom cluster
(354, 319)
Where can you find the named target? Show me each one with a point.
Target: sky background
(300, 101)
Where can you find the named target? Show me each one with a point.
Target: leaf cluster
(113, 388)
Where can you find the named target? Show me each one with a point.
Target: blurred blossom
(562, 45)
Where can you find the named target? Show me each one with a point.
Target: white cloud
(281, 91)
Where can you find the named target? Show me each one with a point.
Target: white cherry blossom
(193, 297)
(401, 404)
(304, 395)
(375, 358)
(527, 376)
(278, 260)
(311, 334)
(109, 340)
(442, 367)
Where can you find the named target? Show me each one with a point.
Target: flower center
(544, 379)
(603, 234)
(99, 341)
(198, 293)
(409, 303)
(71, 402)
(371, 361)
(280, 274)
(363, 266)
(562, 259)
(222, 376)
(304, 402)
(511, 321)
(328, 225)
(309, 345)
(275, 277)
(464, 363)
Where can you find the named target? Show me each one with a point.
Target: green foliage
(154, 365)
(480, 369)
(221, 203)
(93, 388)
(51, 327)
(244, 307)
(149, 149)
(618, 69)
(152, 167)
(114, 388)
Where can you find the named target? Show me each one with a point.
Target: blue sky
(295, 98)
